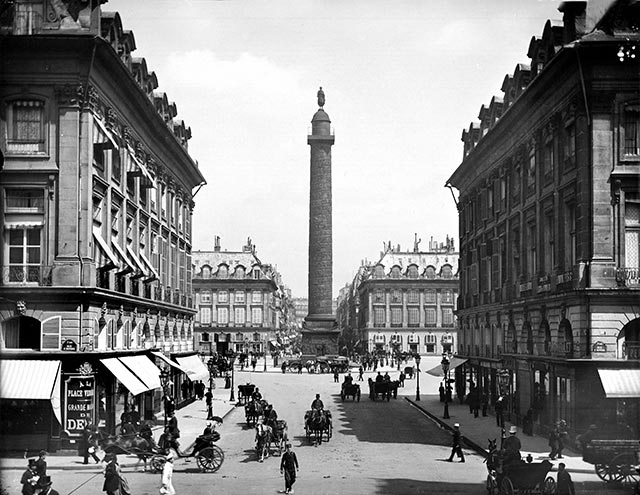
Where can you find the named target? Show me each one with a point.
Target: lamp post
(164, 382)
(232, 359)
(417, 358)
(446, 365)
(503, 383)
(264, 352)
(211, 364)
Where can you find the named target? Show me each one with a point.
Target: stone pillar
(320, 330)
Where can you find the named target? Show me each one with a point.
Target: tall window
(569, 229)
(23, 223)
(256, 316)
(516, 181)
(632, 236)
(378, 296)
(240, 315)
(549, 241)
(548, 160)
(447, 296)
(26, 129)
(413, 296)
(378, 317)
(531, 249)
(223, 316)
(413, 317)
(396, 317)
(430, 317)
(447, 317)
(631, 130)
(205, 316)
(569, 145)
(531, 172)
(396, 296)
(24, 254)
(430, 296)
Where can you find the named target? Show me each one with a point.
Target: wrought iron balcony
(628, 277)
(631, 351)
(27, 275)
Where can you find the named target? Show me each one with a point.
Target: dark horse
(350, 390)
(383, 390)
(128, 445)
(253, 411)
(317, 422)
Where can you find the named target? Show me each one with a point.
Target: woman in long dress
(167, 476)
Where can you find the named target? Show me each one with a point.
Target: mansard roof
(231, 259)
(110, 26)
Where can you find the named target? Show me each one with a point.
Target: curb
(480, 450)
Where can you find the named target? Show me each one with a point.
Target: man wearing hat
(41, 463)
(29, 478)
(512, 446)
(289, 467)
(44, 486)
(456, 444)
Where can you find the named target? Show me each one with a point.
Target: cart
(209, 456)
(615, 461)
(522, 478)
(245, 392)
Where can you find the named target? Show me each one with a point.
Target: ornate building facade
(404, 303)
(242, 304)
(549, 210)
(96, 195)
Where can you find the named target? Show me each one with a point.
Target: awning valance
(125, 376)
(141, 269)
(144, 369)
(196, 370)
(137, 168)
(126, 266)
(107, 259)
(31, 379)
(169, 361)
(454, 362)
(153, 274)
(620, 384)
(102, 129)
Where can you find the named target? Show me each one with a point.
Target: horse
(494, 457)
(317, 422)
(350, 390)
(254, 410)
(128, 445)
(264, 437)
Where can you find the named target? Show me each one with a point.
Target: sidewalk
(477, 432)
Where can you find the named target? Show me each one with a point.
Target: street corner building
(549, 219)
(96, 188)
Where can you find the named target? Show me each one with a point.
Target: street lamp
(164, 382)
(211, 364)
(446, 366)
(417, 357)
(264, 352)
(232, 359)
(503, 382)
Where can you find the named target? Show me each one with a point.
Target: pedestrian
(111, 475)
(402, 378)
(553, 443)
(209, 397)
(512, 446)
(41, 463)
(562, 434)
(29, 478)
(441, 392)
(44, 486)
(484, 401)
(89, 443)
(284, 366)
(456, 444)
(167, 476)
(336, 376)
(564, 482)
(499, 408)
(289, 467)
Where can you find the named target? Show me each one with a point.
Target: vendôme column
(320, 330)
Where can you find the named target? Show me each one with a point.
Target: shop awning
(153, 274)
(142, 271)
(126, 377)
(136, 167)
(169, 361)
(31, 379)
(126, 266)
(196, 370)
(274, 343)
(620, 384)
(106, 133)
(144, 369)
(106, 260)
(454, 362)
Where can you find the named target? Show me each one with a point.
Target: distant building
(402, 303)
(241, 302)
(549, 211)
(97, 196)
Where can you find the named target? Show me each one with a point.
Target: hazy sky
(402, 78)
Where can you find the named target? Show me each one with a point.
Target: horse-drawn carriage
(383, 390)
(517, 477)
(245, 392)
(271, 435)
(408, 372)
(317, 422)
(254, 410)
(614, 460)
(350, 390)
(293, 365)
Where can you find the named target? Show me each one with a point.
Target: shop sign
(69, 345)
(79, 392)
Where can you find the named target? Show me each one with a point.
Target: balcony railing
(628, 277)
(631, 351)
(26, 275)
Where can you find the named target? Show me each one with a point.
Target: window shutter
(51, 333)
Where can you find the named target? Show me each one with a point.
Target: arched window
(528, 333)
(513, 337)
(629, 340)
(395, 272)
(566, 332)
(412, 271)
(430, 272)
(223, 271)
(206, 272)
(545, 335)
(446, 272)
(239, 272)
(378, 271)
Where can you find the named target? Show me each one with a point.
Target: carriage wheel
(492, 485)
(625, 468)
(210, 459)
(157, 463)
(549, 487)
(607, 473)
(506, 486)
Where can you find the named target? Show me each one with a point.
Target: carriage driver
(270, 416)
(317, 403)
(256, 395)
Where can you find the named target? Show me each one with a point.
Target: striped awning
(144, 369)
(31, 379)
(169, 361)
(620, 384)
(153, 274)
(134, 384)
(454, 362)
(105, 258)
(136, 167)
(141, 269)
(104, 135)
(196, 370)
(126, 266)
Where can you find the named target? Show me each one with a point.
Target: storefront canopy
(196, 370)
(144, 369)
(620, 384)
(134, 384)
(454, 362)
(31, 379)
(170, 362)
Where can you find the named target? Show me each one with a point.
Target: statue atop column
(320, 97)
